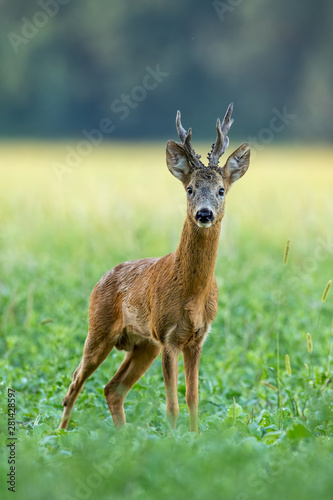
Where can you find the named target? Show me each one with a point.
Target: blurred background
(67, 64)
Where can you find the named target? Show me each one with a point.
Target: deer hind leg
(96, 349)
(135, 364)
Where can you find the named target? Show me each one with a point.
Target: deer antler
(185, 138)
(222, 139)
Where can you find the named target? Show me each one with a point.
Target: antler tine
(180, 129)
(185, 138)
(222, 139)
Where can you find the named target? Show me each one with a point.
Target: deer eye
(221, 191)
(189, 190)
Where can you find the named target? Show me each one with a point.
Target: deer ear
(177, 161)
(237, 163)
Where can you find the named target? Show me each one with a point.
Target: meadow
(266, 427)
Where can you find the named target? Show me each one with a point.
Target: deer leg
(170, 374)
(191, 364)
(96, 349)
(135, 364)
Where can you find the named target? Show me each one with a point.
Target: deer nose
(204, 215)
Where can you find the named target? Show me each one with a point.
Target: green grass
(58, 239)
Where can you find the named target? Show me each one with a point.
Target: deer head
(206, 187)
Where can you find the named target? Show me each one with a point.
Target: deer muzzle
(204, 217)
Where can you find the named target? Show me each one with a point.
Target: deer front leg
(192, 356)
(170, 374)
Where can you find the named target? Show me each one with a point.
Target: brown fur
(165, 304)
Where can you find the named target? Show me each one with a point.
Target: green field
(57, 238)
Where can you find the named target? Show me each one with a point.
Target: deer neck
(196, 255)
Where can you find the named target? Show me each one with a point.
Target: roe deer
(164, 304)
